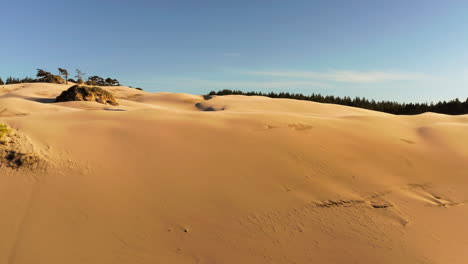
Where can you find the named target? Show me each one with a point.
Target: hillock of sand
(87, 93)
(160, 179)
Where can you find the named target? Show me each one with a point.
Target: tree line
(62, 77)
(452, 107)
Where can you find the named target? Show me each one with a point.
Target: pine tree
(11, 80)
(64, 73)
(79, 75)
(42, 73)
(453, 107)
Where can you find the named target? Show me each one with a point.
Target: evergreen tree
(28, 80)
(453, 107)
(112, 82)
(11, 80)
(64, 73)
(79, 75)
(42, 73)
(96, 80)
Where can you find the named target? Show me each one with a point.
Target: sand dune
(159, 179)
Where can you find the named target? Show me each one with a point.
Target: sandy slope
(158, 180)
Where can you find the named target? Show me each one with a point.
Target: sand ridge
(178, 178)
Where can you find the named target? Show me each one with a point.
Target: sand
(251, 180)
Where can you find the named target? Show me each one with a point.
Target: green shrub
(87, 93)
(51, 79)
(4, 131)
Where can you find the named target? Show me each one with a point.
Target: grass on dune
(4, 130)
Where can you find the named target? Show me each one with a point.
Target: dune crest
(159, 179)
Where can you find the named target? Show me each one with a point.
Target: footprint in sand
(299, 126)
(421, 193)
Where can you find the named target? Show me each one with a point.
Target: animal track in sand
(340, 203)
(7, 113)
(352, 203)
(295, 126)
(380, 205)
(418, 185)
(407, 141)
(439, 201)
(414, 191)
(422, 192)
(300, 126)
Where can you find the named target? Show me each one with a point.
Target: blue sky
(396, 50)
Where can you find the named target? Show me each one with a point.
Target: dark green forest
(453, 107)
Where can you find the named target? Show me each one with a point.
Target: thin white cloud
(345, 76)
(257, 84)
(243, 84)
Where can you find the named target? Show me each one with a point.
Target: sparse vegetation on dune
(453, 107)
(138, 88)
(44, 76)
(4, 130)
(11, 154)
(62, 77)
(96, 80)
(87, 93)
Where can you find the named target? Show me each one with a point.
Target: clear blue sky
(398, 50)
